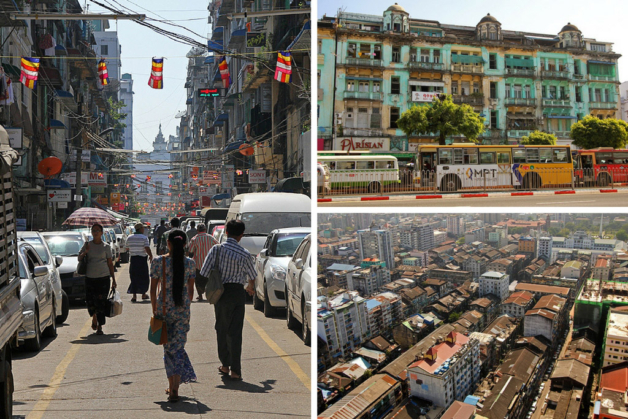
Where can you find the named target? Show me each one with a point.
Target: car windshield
(64, 245)
(117, 229)
(287, 243)
(262, 223)
(39, 247)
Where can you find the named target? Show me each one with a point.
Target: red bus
(600, 166)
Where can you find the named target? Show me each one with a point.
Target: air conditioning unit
(349, 115)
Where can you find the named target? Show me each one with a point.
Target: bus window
(458, 156)
(487, 157)
(503, 158)
(381, 164)
(604, 158)
(470, 155)
(444, 156)
(576, 161)
(621, 158)
(519, 155)
(533, 155)
(346, 165)
(561, 155)
(369, 165)
(332, 165)
(545, 155)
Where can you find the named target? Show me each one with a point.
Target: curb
(521, 193)
(428, 196)
(608, 190)
(474, 195)
(564, 192)
(375, 198)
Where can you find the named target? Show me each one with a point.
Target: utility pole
(79, 175)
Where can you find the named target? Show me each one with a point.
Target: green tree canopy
(453, 317)
(444, 117)
(593, 132)
(564, 232)
(539, 138)
(460, 241)
(622, 235)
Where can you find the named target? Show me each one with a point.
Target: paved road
(540, 201)
(121, 374)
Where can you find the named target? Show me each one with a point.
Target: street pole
(79, 165)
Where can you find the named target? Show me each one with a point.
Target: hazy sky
(140, 44)
(604, 20)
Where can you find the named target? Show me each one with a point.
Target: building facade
(495, 283)
(377, 243)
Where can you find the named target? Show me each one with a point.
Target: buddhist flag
(30, 70)
(156, 80)
(224, 72)
(283, 72)
(102, 73)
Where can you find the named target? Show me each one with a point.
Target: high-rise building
(126, 97)
(377, 243)
(545, 249)
(495, 283)
(418, 237)
(455, 225)
(368, 281)
(385, 311)
(363, 221)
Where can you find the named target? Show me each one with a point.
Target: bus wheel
(450, 183)
(374, 187)
(603, 179)
(532, 181)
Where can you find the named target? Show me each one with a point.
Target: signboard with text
(257, 176)
(87, 178)
(85, 155)
(59, 195)
(212, 92)
(424, 96)
(255, 39)
(362, 144)
(228, 176)
(15, 137)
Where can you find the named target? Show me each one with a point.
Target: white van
(264, 212)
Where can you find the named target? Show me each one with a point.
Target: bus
(372, 172)
(601, 166)
(465, 166)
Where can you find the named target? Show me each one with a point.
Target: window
(487, 157)
(494, 119)
(158, 186)
(518, 155)
(470, 156)
(543, 92)
(365, 51)
(562, 92)
(476, 87)
(552, 92)
(436, 55)
(396, 55)
(365, 165)
(377, 52)
(445, 156)
(104, 50)
(395, 88)
(394, 116)
(352, 50)
(346, 165)
(454, 88)
(493, 90)
(425, 55)
(545, 155)
(492, 35)
(363, 86)
(376, 118)
(518, 91)
(350, 86)
(492, 61)
(383, 164)
(527, 92)
(598, 47)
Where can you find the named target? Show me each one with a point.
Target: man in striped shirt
(237, 269)
(198, 249)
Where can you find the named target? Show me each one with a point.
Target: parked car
(298, 289)
(110, 237)
(38, 299)
(36, 240)
(272, 264)
(121, 237)
(212, 224)
(68, 244)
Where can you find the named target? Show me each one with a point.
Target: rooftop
(441, 354)
(618, 324)
(459, 410)
(519, 363)
(570, 368)
(551, 302)
(541, 312)
(546, 289)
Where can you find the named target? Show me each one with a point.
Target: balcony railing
(426, 66)
(561, 134)
(364, 62)
(362, 132)
(578, 76)
(518, 133)
(601, 78)
(520, 101)
(556, 102)
(555, 74)
(364, 95)
(603, 105)
(521, 72)
(467, 68)
(471, 100)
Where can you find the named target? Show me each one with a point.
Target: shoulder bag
(81, 268)
(157, 332)
(214, 287)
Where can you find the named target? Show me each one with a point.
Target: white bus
(370, 171)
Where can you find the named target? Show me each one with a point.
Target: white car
(121, 237)
(271, 264)
(298, 289)
(110, 237)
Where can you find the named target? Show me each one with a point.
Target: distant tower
(601, 226)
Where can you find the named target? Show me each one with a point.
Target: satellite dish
(247, 150)
(50, 166)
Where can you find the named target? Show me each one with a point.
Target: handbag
(157, 332)
(114, 304)
(214, 287)
(81, 268)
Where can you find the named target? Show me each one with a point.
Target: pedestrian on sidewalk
(139, 250)
(175, 223)
(159, 231)
(179, 286)
(97, 277)
(198, 249)
(192, 231)
(237, 269)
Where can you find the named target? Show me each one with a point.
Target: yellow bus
(469, 166)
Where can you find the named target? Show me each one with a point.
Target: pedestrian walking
(192, 231)
(97, 278)
(237, 270)
(179, 286)
(159, 231)
(175, 223)
(139, 250)
(198, 249)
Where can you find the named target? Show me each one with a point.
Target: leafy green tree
(622, 235)
(539, 138)
(460, 241)
(564, 232)
(593, 132)
(553, 231)
(570, 226)
(442, 116)
(453, 317)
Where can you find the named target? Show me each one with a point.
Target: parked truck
(10, 305)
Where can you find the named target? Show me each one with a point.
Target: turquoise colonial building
(373, 68)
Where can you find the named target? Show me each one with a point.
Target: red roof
(442, 351)
(616, 379)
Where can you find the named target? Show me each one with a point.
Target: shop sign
(362, 144)
(257, 176)
(15, 137)
(424, 96)
(59, 195)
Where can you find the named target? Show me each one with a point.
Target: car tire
(269, 310)
(305, 327)
(65, 308)
(6, 390)
(34, 344)
(292, 322)
(257, 303)
(51, 331)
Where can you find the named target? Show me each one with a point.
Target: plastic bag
(114, 303)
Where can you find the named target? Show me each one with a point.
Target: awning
(601, 62)
(519, 62)
(56, 124)
(234, 145)
(209, 60)
(61, 51)
(466, 59)
(303, 39)
(215, 45)
(189, 101)
(515, 117)
(238, 33)
(426, 83)
(221, 118)
(11, 70)
(63, 94)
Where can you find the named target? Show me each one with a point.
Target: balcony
(467, 68)
(379, 96)
(416, 65)
(557, 102)
(518, 133)
(578, 77)
(519, 101)
(561, 134)
(470, 100)
(593, 77)
(603, 105)
(521, 72)
(365, 62)
(555, 74)
(361, 132)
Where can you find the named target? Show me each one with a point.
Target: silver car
(110, 237)
(53, 263)
(68, 244)
(299, 289)
(272, 264)
(38, 300)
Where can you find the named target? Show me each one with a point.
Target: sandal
(133, 300)
(173, 399)
(94, 324)
(221, 371)
(238, 378)
(99, 332)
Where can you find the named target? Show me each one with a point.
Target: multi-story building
(368, 281)
(385, 311)
(527, 245)
(475, 235)
(126, 97)
(108, 47)
(476, 264)
(377, 243)
(602, 268)
(418, 237)
(517, 304)
(616, 338)
(455, 225)
(447, 371)
(495, 283)
(545, 249)
(372, 68)
(572, 270)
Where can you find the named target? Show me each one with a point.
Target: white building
(455, 225)
(108, 47)
(475, 235)
(377, 243)
(448, 370)
(368, 281)
(126, 97)
(623, 91)
(540, 322)
(544, 249)
(342, 323)
(495, 283)
(572, 270)
(616, 338)
(517, 304)
(418, 237)
(385, 311)
(439, 237)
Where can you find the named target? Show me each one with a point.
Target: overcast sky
(604, 20)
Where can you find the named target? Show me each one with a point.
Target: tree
(460, 241)
(453, 317)
(593, 132)
(622, 235)
(564, 232)
(442, 116)
(539, 138)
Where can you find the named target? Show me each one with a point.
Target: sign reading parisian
(363, 144)
(424, 96)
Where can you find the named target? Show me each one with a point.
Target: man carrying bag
(237, 270)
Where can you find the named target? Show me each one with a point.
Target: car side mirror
(58, 260)
(263, 253)
(299, 263)
(40, 271)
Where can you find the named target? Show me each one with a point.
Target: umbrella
(90, 216)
